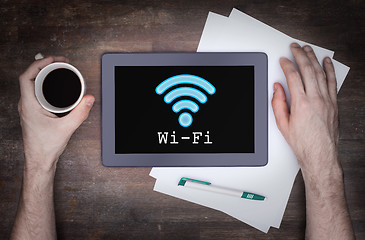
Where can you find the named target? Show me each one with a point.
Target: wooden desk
(94, 202)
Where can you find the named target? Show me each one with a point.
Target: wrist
(39, 164)
(329, 180)
(321, 165)
(37, 182)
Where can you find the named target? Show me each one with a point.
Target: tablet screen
(184, 109)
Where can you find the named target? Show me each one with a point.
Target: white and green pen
(207, 186)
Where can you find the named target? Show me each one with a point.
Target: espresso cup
(59, 87)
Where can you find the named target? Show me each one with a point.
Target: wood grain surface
(95, 202)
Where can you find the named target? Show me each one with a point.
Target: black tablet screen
(184, 109)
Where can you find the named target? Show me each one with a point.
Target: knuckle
(321, 74)
(311, 55)
(336, 114)
(293, 75)
(318, 100)
(274, 105)
(332, 79)
(335, 106)
(309, 69)
(83, 117)
(302, 104)
(274, 100)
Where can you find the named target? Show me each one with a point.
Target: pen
(207, 186)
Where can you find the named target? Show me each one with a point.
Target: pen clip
(252, 196)
(184, 179)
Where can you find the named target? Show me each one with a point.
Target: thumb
(280, 108)
(80, 113)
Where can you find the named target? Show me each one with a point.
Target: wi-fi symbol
(185, 118)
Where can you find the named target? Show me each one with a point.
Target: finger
(61, 59)
(79, 114)
(38, 65)
(306, 69)
(293, 79)
(331, 79)
(26, 79)
(280, 108)
(320, 75)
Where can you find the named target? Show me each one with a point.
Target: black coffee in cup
(61, 87)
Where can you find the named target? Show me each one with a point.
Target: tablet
(184, 109)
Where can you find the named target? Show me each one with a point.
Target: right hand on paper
(310, 126)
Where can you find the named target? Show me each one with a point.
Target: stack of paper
(242, 33)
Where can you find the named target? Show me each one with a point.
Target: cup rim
(39, 86)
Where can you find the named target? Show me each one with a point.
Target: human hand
(311, 125)
(45, 135)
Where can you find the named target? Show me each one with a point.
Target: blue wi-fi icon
(185, 118)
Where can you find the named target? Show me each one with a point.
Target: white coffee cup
(39, 87)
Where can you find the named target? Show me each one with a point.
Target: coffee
(61, 88)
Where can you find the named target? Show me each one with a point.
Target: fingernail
(38, 56)
(295, 45)
(90, 102)
(328, 60)
(275, 87)
(307, 48)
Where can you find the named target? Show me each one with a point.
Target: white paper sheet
(195, 196)
(243, 33)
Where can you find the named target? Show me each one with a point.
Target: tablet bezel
(256, 59)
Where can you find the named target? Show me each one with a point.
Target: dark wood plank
(94, 202)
